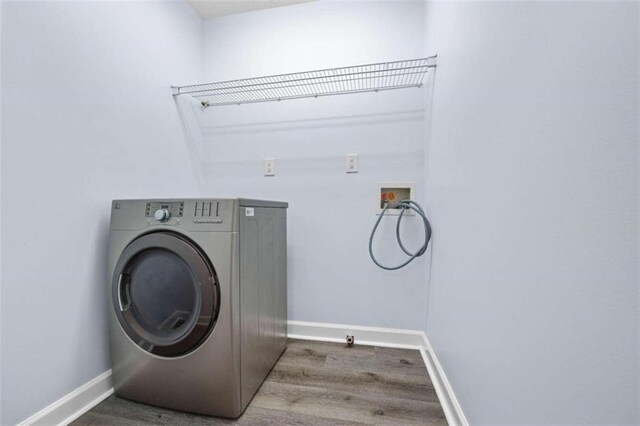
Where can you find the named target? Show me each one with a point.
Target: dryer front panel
(165, 294)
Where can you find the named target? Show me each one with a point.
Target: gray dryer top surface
(242, 202)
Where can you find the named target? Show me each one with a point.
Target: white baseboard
(388, 337)
(450, 405)
(370, 336)
(73, 405)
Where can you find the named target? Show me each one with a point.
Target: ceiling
(212, 8)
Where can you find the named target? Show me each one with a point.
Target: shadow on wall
(86, 323)
(331, 212)
(298, 129)
(100, 264)
(190, 114)
(96, 295)
(313, 123)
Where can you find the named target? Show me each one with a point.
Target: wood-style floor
(313, 383)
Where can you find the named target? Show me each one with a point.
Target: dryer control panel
(207, 212)
(175, 209)
(201, 214)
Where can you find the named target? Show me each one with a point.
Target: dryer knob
(162, 215)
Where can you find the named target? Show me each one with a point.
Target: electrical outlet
(270, 167)
(352, 163)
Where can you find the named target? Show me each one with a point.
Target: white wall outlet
(352, 163)
(270, 167)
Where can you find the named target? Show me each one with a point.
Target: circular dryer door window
(165, 294)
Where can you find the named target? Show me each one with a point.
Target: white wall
(88, 116)
(532, 186)
(331, 278)
(0, 212)
(531, 183)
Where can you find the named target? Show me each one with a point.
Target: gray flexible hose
(404, 204)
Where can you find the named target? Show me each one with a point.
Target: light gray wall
(331, 278)
(0, 213)
(88, 116)
(532, 186)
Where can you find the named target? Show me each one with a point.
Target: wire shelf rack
(308, 84)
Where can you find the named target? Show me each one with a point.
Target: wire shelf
(308, 84)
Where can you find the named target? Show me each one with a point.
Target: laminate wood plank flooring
(313, 383)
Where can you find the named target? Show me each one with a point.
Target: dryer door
(165, 294)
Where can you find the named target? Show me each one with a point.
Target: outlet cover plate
(352, 164)
(270, 167)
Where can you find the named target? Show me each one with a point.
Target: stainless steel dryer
(198, 300)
